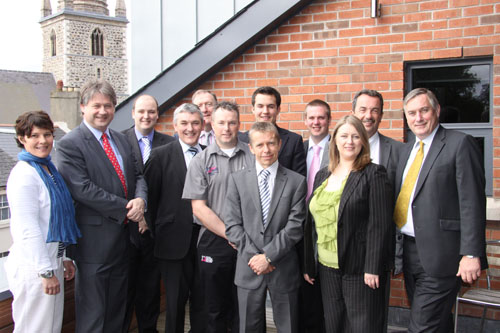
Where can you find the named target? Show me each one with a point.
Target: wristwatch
(267, 259)
(46, 274)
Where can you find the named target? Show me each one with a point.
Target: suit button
(262, 232)
(414, 207)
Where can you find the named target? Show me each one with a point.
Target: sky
(21, 35)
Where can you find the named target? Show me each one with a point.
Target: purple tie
(313, 169)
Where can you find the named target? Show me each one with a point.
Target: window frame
(483, 130)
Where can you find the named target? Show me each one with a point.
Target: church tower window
(53, 43)
(97, 43)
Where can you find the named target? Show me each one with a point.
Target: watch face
(47, 274)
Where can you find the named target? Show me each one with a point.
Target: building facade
(81, 41)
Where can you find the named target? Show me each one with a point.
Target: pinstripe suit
(363, 234)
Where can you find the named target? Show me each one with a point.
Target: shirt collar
(139, 135)
(322, 143)
(374, 139)
(428, 140)
(273, 168)
(96, 132)
(185, 147)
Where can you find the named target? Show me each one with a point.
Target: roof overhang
(217, 50)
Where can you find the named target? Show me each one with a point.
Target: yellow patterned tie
(401, 209)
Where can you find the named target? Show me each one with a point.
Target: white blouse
(29, 203)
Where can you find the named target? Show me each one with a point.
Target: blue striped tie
(265, 196)
(147, 149)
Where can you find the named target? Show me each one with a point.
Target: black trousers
(221, 300)
(311, 318)
(143, 285)
(181, 281)
(349, 304)
(431, 298)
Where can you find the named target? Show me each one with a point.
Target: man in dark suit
(368, 106)
(441, 210)
(263, 215)
(266, 104)
(318, 118)
(144, 275)
(110, 193)
(171, 218)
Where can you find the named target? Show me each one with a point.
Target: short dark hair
(263, 126)
(319, 102)
(94, 87)
(369, 92)
(28, 120)
(228, 106)
(267, 91)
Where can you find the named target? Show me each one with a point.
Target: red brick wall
(332, 49)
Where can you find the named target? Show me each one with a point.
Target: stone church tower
(82, 42)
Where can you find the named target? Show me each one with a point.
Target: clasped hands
(259, 264)
(136, 213)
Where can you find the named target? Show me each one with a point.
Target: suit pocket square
(451, 225)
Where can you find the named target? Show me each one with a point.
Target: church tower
(82, 42)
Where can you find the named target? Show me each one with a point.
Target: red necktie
(112, 157)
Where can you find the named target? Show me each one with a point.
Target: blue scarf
(62, 223)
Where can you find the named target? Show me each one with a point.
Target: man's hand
(233, 245)
(469, 269)
(143, 226)
(69, 270)
(259, 264)
(135, 209)
(51, 285)
(308, 279)
(371, 280)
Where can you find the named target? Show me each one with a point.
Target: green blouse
(324, 207)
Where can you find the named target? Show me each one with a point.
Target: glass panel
(463, 91)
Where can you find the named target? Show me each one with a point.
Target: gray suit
(244, 228)
(101, 253)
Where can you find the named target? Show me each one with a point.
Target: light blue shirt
(139, 137)
(98, 135)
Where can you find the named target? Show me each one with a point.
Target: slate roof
(24, 91)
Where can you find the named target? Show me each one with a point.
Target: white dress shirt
(273, 169)
(408, 228)
(375, 148)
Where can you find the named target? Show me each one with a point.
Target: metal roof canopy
(217, 50)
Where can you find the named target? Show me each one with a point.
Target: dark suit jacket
(169, 217)
(389, 156)
(291, 154)
(326, 154)
(98, 194)
(364, 223)
(449, 204)
(244, 227)
(159, 139)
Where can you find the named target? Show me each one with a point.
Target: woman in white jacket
(42, 224)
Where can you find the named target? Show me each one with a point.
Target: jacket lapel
(284, 138)
(436, 147)
(180, 164)
(403, 160)
(385, 151)
(279, 186)
(252, 184)
(350, 185)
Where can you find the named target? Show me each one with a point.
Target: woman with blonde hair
(347, 233)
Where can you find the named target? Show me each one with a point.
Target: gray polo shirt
(207, 179)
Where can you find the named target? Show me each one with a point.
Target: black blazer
(363, 227)
(169, 217)
(159, 139)
(291, 155)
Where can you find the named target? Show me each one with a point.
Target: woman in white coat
(42, 224)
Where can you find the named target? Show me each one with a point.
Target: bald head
(145, 113)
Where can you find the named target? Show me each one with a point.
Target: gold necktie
(401, 209)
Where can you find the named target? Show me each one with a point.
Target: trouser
(32, 309)
(431, 298)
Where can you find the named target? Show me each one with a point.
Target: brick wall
(332, 49)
